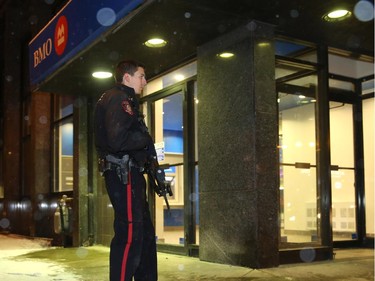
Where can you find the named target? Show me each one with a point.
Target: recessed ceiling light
(337, 15)
(226, 55)
(263, 44)
(102, 74)
(155, 43)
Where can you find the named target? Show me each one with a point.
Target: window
(63, 152)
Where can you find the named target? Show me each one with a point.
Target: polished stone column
(39, 164)
(82, 193)
(237, 143)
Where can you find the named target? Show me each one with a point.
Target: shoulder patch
(127, 107)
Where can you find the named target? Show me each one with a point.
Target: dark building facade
(266, 129)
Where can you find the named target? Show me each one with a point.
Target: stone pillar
(238, 161)
(40, 156)
(82, 206)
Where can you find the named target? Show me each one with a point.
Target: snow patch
(15, 268)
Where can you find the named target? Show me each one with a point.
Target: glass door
(297, 154)
(173, 119)
(351, 84)
(369, 153)
(296, 85)
(169, 132)
(170, 105)
(342, 172)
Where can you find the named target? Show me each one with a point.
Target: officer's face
(136, 81)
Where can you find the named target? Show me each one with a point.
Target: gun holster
(120, 165)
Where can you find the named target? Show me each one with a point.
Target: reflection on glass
(295, 51)
(195, 199)
(195, 195)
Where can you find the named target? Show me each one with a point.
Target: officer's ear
(126, 78)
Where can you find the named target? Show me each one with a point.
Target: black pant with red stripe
(133, 247)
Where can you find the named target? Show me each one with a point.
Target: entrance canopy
(76, 26)
(94, 43)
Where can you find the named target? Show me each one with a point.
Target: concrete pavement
(91, 264)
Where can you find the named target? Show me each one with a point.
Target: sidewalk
(91, 264)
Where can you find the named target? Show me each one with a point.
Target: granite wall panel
(237, 134)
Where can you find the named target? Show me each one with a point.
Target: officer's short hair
(126, 66)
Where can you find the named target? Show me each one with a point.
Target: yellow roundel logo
(61, 35)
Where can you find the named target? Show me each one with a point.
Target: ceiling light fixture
(263, 44)
(337, 15)
(155, 43)
(226, 55)
(102, 74)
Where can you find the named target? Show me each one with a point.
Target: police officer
(122, 140)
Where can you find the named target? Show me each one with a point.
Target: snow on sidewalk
(14, 267)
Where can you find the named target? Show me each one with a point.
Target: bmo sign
(58, 43)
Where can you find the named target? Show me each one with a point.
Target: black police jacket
(119, 127)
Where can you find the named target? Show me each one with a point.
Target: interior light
(179, 77)
(337, 15)
(338, 185)
(226, 55)
(292, 218)
(155, 43)
(102, 74)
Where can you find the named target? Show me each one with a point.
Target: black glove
(157, 178)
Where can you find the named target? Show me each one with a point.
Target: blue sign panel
(76, 26)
